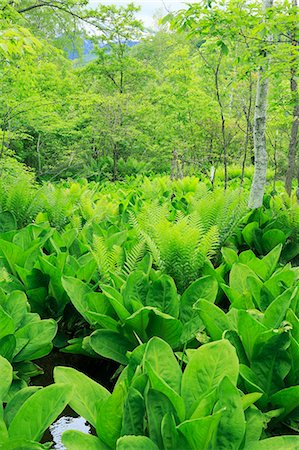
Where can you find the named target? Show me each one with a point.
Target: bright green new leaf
(43, 407)
(86, 392)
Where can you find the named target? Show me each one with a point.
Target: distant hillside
(88, 47)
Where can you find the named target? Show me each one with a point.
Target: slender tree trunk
(260, 115)
(223, 129)
(247, 112)
(295, 124)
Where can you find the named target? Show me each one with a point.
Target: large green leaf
(276, 311)
(170, 435)
(56, 288)
(39, 336)
(214, 319)
(249, 330)
(7, 222)
(205, 287)
(164, 326)
(134, 412)
(110, 415)
(7, 346)
(288, 399)
(22, 444)
(161, 358)
(209, 364)
(111, 344)
(200, 433)
(17, 307)
(238, 278)
(255, 423)
(275, 443)
(162, 294)
(86, 392)
(7, 325)
(231, 428)
(135, 443)
(38, 412)
(157, 406)
(76, 440)
(5, 377)
(135, 289)
(160, 385)
(17, 400)
(270, 360)
(272, 238)
(77, 291)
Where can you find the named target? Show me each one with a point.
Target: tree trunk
(295, 124)
(260, 152)
(223, 128)
(247, 112)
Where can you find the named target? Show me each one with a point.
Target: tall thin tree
(260, 116)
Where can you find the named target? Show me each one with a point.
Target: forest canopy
(91, 92)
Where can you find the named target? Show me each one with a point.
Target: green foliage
(157, 405)
(21, 427)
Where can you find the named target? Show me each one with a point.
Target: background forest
(180, 97)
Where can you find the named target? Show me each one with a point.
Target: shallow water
(67, 423)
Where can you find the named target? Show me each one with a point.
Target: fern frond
(134, 256)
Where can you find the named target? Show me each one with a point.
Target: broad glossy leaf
(17, 400)
(231, 428)
(161, 358)
(49, 402)
(5, 377)
(39, 335)
(135, 443)
(164, 326)
(209, 364)
(111, 344)
(77, 440)
(214, 319)
(200, 433)
(160, 385)
(249, 330)
(229, 256)
(77, 292)
(134, 412)
(238, 277)
(86, 392)
(7, 325)
(276, 311)
(157, 406)
(205, 287)
(103, 320)
(255, 423)
(162, 294)
(169, 432)
(273, 238)
(270, 360)
(136, 288)
(275, 443)
(17, 307)
(287, 398)
(7, 346)
(22, 444)
(110, 415)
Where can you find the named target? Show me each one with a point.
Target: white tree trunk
(260, 151)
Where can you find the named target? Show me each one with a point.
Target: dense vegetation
(142, 230)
